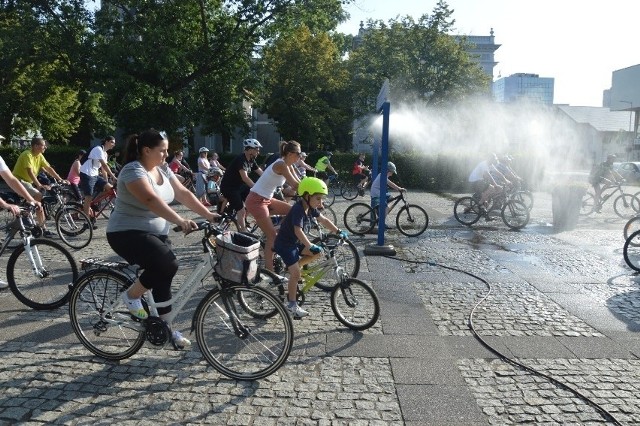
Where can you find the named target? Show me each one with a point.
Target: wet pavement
(562, 303)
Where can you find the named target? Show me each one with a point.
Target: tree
(305, 89)
(175, 65)
(422, 61)
(39, 85)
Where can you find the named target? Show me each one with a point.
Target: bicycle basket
(237, 256)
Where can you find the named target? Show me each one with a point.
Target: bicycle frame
(108, 196)
(315, 273)
(17, 226)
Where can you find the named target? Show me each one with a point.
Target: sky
(579, 43)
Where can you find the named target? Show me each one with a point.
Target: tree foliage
(40, 80)
(305, 89)
(422, 61)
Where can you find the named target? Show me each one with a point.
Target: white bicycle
(241, 343)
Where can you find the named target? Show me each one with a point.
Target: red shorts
(257, 205)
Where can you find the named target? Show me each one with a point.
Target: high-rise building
(524, 87)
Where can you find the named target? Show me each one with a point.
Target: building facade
(524, 87)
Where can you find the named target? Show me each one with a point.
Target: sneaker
(488, 218)
(48, 234)
(135, 307)
(361, 192)
(179, 341)
(3, 284)
(296, 311)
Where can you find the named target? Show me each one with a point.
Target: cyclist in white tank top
(260, 202)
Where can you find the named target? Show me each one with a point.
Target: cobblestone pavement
(563, 303)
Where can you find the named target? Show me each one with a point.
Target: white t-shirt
(478, 172)
(3, 165)
(91, 167)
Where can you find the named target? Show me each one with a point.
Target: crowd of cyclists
(149, 180)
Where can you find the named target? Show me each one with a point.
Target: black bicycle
(411, 220)
(625, 204)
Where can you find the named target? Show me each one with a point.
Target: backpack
(85, 157)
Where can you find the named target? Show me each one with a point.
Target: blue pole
(386, 107)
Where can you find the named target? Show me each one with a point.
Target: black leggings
(153, 254)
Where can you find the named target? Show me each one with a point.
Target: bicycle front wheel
(346, 255)
(355, 304)
(624, 206)
(515, 214)
(524, 197)
(235, 342)
(100, 320)
(466, 211)
(630, 227)
(41, 275)
(412, 220)
(74, 227)
(359, 218)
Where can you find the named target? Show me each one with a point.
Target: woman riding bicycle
(260, 202)
(139, 224)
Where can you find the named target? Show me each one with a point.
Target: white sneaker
(179, 341)
(3, 284)
(135, 306)
(296, 311)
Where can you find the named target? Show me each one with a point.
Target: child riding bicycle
(292, 244)
(375, 186)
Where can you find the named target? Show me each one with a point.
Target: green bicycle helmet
(312, 185)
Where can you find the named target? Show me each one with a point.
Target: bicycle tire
(412, 220)
(631, 251)
(587, 204)
(347, 256)
(254, 304)
(515, 214)
(100, 320)
(631, 226)
(57, 271)
(355, 304)
(330, 214)
(349, 192)
(623, 205)
(524, 197)
(466, 210)
(73, 226)
(329, 199)
(259, 347)
(359, 218)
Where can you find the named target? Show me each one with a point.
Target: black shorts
(235, 199)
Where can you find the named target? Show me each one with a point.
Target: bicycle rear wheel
(412, 220)
(100, 320)
(41, 277)
(347, 256)
(588, 204)
(74, 227)
(235, 342)
(515, 214)
(349, 191)
(467, 211)
(359, 218)
(355, 304)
